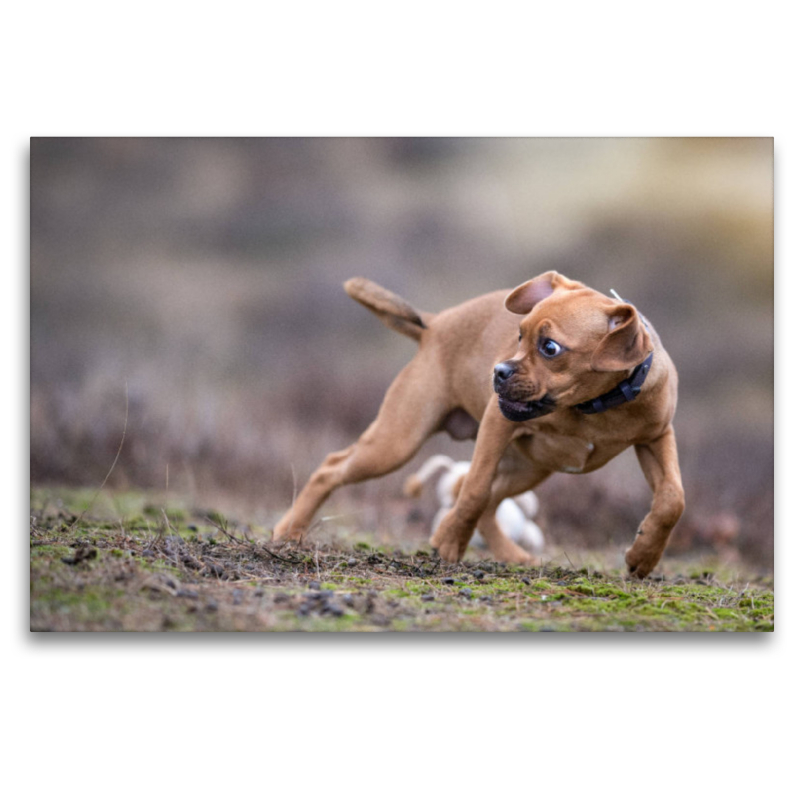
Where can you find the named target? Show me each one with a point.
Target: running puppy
(553, 377)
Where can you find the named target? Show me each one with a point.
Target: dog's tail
(393, 311)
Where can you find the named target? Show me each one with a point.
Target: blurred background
(205, 275)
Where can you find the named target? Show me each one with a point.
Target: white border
(441, 714)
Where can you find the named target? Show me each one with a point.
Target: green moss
(80, 604)
(48, 552)
(356, 580)
(417, 588)
(289, 621)
(538, 625)
(106, 593)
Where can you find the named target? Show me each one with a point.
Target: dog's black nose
(503, 371)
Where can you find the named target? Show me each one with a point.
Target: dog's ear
(527, 295)
(626, 344)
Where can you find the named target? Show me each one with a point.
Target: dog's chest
(583, 447)
(561, 453)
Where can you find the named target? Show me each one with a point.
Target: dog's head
(574, 344)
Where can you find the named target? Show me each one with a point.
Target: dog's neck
(623, 392)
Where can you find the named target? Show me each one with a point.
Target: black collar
(622, 393)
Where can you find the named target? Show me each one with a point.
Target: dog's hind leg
(500, 546)
(412, 410)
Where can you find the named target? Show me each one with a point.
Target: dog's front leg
(659, 462)
(455, 530)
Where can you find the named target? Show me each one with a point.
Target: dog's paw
(449, 552)
(642, 558)
(284, 531)
(511, 553)
(448, 541)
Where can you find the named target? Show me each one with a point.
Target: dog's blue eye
(549, 349)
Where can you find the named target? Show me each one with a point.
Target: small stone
(317, 596)
(479, 573)
(465, 592)
(313, 584)
(83, 552)
(426, 598)
(212, 605)
(526, 581)
(238, 595)
(351, 562)
(190, 593)
(449, 581)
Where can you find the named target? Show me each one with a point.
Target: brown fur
(392, 310)
(449, 382)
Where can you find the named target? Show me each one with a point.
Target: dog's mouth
(521, 410)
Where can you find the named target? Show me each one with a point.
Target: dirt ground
(126, 562)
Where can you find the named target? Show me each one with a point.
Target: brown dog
(561, 379)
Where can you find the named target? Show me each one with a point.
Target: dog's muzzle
(518, 410)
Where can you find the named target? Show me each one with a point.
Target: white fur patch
(513, 514)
